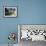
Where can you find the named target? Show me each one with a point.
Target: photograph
(10, 11)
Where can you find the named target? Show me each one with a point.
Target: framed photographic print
(10, 11)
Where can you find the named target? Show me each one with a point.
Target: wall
(29, 12)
